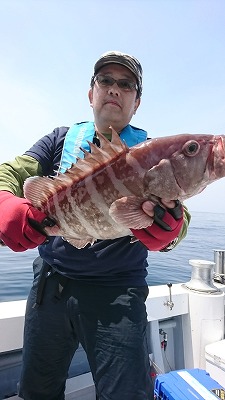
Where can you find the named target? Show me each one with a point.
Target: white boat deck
(186, 317)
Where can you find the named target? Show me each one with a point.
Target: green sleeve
(14, 173)
(183, 232)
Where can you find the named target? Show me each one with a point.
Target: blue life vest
(78, 135)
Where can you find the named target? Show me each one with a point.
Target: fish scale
(100, 196)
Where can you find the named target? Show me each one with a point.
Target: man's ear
(90, 96)
(137, 104)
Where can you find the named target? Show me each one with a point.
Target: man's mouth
(113, 103)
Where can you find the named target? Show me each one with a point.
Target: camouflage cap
(128, 61)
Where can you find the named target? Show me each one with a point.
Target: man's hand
(16, 231)
(167, 220)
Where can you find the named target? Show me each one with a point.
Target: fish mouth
(221, 153)
(221, 145)
(217, 158)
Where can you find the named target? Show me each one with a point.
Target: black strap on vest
(44, 273)
(41, 283)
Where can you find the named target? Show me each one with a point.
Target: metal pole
(219, 269)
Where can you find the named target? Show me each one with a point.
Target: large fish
(100, 196)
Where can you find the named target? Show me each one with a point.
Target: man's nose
(114, 89)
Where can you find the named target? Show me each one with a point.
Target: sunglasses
(125, 84)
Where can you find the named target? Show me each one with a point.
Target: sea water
(205, 234)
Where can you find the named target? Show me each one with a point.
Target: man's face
(113, 106)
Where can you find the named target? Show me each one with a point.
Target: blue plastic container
(187, 384)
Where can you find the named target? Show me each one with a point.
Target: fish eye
(191, 148)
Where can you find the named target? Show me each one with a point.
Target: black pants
(109, 322)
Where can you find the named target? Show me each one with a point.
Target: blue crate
(187, 384)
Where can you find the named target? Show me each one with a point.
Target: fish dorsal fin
(99, 156)
(117, 142)
(97, 159)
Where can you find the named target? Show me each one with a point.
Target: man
(95, 295)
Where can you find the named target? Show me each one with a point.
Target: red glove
(165, 228)
(16, 216)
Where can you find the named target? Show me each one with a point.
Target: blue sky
(48, 49)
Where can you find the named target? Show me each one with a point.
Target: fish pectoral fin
(128, 212)
(79, 243)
